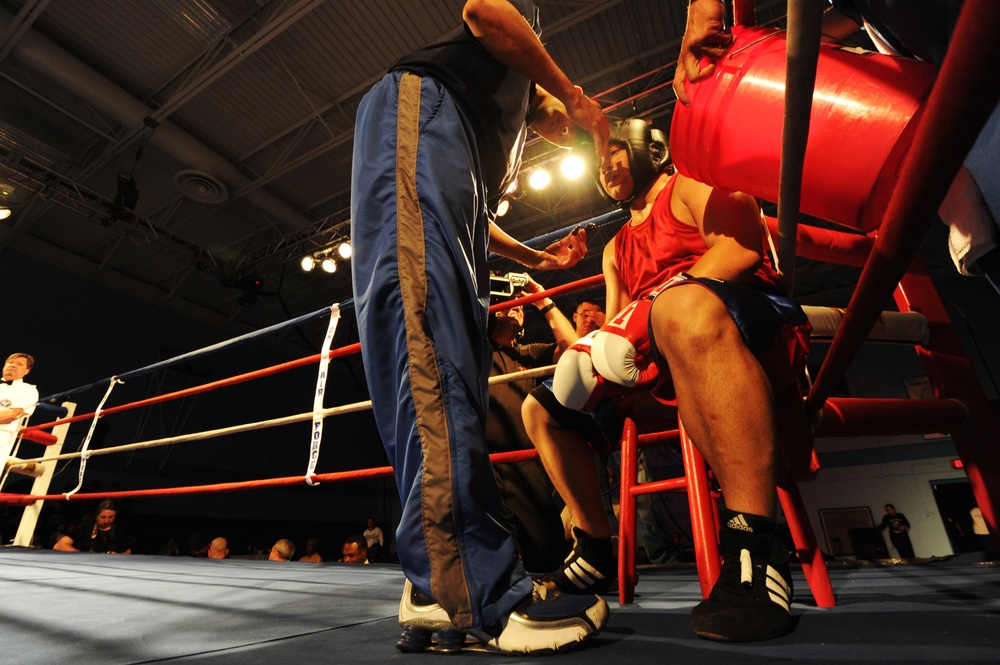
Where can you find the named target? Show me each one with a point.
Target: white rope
(321, 376)
(274, 422)
(84, 450)
(770, 242)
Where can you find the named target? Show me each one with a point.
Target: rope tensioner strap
(321, 377)
(84, 450)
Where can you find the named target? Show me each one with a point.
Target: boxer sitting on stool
(724, 339)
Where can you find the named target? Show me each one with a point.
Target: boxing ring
(95, 609)
(143, 609)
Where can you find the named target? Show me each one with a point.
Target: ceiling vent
(200, 187)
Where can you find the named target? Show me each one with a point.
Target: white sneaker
(544, 622)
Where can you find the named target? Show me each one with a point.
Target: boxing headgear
(648, 153)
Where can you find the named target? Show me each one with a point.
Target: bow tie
(6, 381)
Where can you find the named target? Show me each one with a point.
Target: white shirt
(16, 395)
(373, 535)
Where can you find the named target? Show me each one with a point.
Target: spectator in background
(98, 534)
(61, 529)
(17, 400)
(282, 550)
(170, 548)
(355, 549)
(198, 544)
(218, 548)
(529, 509)
(588, 317)
(899, 531)
(376, 541)
(312, 554)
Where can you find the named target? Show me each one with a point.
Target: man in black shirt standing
(899, 531)
(436, 143)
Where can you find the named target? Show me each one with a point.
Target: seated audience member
(529, 509)
(587, 317)
(355, 549)
(373, 534)
(170, 548)
(376, 541)
(312, 554)
(691, 260)
(218, 548)
(282, 550)
(198, 543)
(98, 534)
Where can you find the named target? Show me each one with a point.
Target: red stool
(704, 515)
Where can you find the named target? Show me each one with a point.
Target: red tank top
(652, 252)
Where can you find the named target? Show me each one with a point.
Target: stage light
(503, 207)
(307, 263)
(572, 167)
(329, 265)
(6, 196)
(345, 250)
(539, 179)
(511, 188)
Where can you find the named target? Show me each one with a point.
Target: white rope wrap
(85, 449)
(321, 377)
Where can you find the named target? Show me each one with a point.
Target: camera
(504, 286)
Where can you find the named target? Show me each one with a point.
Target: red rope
(221, 383)
(217, 488)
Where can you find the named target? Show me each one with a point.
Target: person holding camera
(529, 509)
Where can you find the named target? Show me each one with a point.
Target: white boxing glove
(576, 384)
(621, 352)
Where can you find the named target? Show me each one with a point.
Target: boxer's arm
(616, 293)
(729, 223)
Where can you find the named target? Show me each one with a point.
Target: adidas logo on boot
(739, 523)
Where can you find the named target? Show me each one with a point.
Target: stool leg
(813, 566)
(704, 527)
(627, 514)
